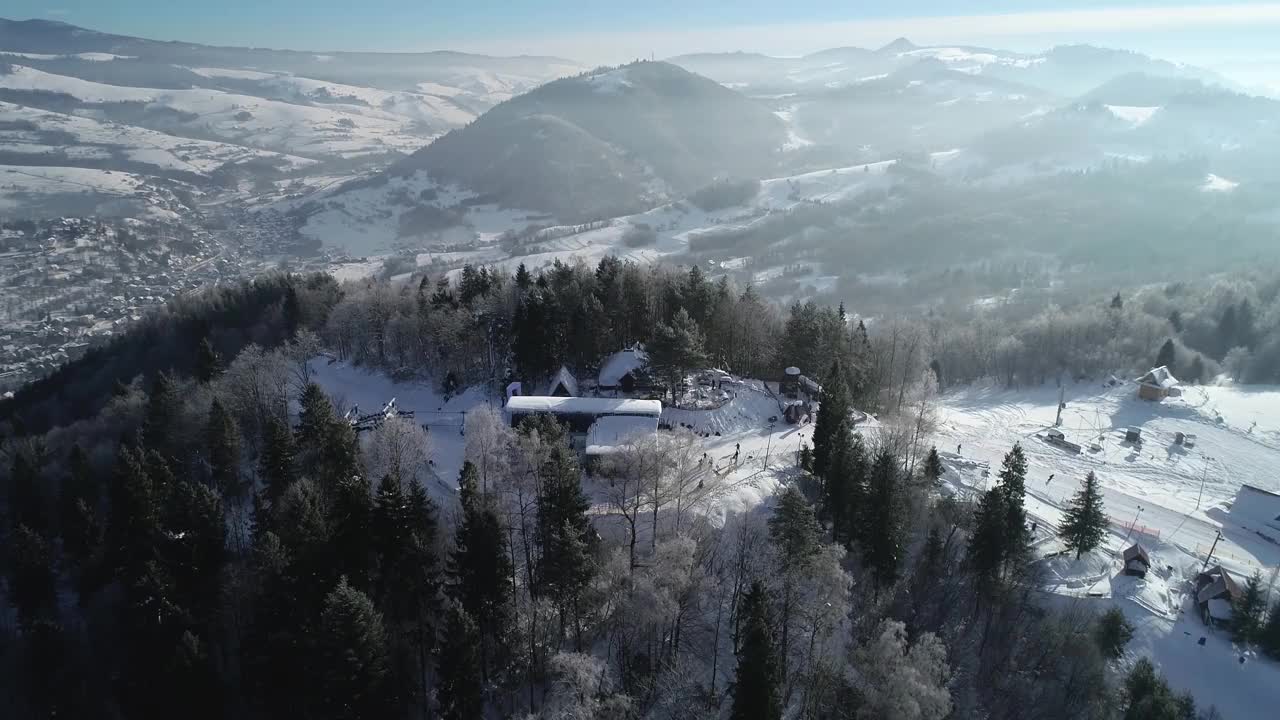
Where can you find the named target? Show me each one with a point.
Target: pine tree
(351, 654)
(756, 693)
(883, 537)
(1013, 475)
(276, 464)
(195, 529)
(677, 348)
(1084, 524)
(1117, 302)
(460, 690)
(78, 501)
(208, 362)
(986, 545)
(1247, 611)
(846, 486)
(480, 566)
(793, 527)
(933, 469)
(1269, 635)
(565, 535)
(27, 502)
(160, 422)
(223, 440)
(832, 421)
(1168, 356)
(351, 515)
(1113, 633)
(523, 280)
(32, 577)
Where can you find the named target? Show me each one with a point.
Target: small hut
(1158, 384)
(1136, 561)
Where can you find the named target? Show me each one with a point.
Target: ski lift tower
(1062, 404)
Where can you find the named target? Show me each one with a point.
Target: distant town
(71, 282)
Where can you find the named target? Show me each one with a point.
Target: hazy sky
(1205, 31)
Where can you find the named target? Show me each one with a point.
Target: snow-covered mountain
(1064, 71)
(232, 119)
(594, 146)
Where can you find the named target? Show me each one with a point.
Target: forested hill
(606, 140)
(184, 338)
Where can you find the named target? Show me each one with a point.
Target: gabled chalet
(563, 384)
(1136, 561)
(1158, 384)
(1216, 593)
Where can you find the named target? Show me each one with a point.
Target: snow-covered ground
(1151, 494)
(83, 191)
(246, 119)
(89, 139)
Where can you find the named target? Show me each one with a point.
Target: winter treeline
(1223, 324)
(219, 543)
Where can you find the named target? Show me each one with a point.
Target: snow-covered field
(73, 190)
(91, 139)
(1151, 494)
(271, 124)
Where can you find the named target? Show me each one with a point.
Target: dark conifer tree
(1013, 476)
(27, 502)
(1248, 611)
(160, 422)
(793, 527)
(677, 347)
(1084, 524)
(523, 279)
(196, 547)
(933, 469)
(882, 524)
(222, 437)
(1269, 634)
(847, 485)
(987, 543)
(78, 501)
(481, 567)
(1113, 633)
(351, 518)
(32, 577)
(1168, 356)
(276, 464)
(208, 362)
(756, 695)
(832, 423)
(460, 691)
(565, 535)
(315, 417)
(351, 657)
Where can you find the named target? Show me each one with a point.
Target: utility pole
(1203, 478)
(1210, 555)
(768, 446)
(1062, 403)
(1133, 524)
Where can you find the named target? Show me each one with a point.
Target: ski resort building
(1216, 592)
(1158, 384)
(580, 413)
(624, 371)
(1257, 509)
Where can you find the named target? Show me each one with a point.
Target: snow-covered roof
(531, 404)
(613, 431)
(1220, 609)
(620, 363)
(566, 379)
(1137, 552)
(1223, 585)
(1159, 377)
